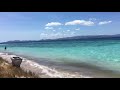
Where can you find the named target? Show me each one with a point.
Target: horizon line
(60, 38)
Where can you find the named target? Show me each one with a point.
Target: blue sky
(45, 25)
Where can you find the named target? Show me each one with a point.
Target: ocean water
(104, 54)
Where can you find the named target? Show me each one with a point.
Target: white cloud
(54, 30)
(68, 30)
(44, 34)
(72, 33)
(55, 35)
(53, 24)
(51, 35)
(48, 27)
(77, 29)
(80, 22)
(104, 22)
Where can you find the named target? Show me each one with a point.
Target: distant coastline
(89, 37)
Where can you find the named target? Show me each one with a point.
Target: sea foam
(41, 70)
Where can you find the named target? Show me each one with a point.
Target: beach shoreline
(41, 70)
(9, 71)
(44, 70)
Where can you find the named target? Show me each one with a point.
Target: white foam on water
(41, 70)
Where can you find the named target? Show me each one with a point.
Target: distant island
(90, 37)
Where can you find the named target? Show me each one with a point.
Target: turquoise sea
(104, 54)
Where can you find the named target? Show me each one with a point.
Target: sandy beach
(7, 70)
(40, 70)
